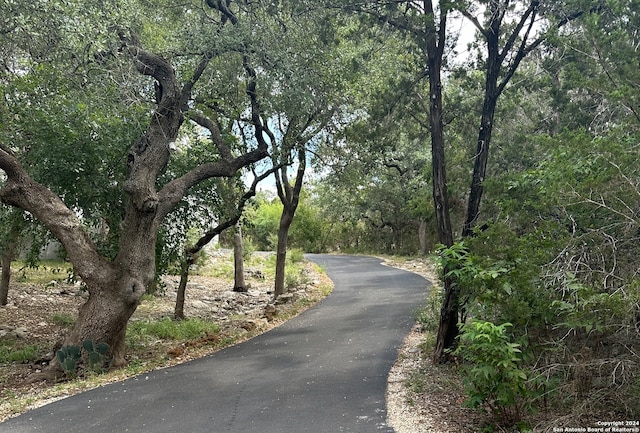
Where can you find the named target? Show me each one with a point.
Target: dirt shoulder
(423, 397)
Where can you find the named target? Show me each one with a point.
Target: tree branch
(216, 135)
(21, 191)
(210, 234)
(171, 194)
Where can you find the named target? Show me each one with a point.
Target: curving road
(323, 372)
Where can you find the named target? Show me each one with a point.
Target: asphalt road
(323, 372)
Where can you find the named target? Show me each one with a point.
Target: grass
(63, 319)
(13, 352)
(168, 329)
(43, 273)
(221, 269)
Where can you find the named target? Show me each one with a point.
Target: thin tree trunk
(238, 261)
(7, 257)
(281, 250)
(290, 198)
(482, 148)
(10, 248)
(422, 237)
(178, 312)
(448, 326)
(190, 252)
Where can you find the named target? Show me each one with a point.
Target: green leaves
(494, 376)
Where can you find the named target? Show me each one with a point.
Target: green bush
(295, 255)
(494, 377)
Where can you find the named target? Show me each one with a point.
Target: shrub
(494, 377)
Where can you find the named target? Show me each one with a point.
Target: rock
(198, 304)
(255, 273)
(20, 332)
(286, 298)
(270, 312)
(249, 325)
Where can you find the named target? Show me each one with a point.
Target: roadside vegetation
(154, 340)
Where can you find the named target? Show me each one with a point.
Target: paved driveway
(323, 372)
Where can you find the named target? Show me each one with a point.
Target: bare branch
(230, 222)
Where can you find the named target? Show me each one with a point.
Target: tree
(15, 222)
(510, 34)
(116, 285)
(511, 31)
(290, 197)
(308, 96)
(191, 251)
(239, 284)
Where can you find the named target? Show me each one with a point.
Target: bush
(494, 377)
(429, 316)
(295, 255)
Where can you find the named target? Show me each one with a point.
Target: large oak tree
(185, 84)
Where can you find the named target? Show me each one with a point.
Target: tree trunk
(178, 311)
(290, 198)
(104, 317)
(7, 258)
(482, 149)
(448, 327)
(281, 250)
(422, 237)
(114, 298)
(12, 243)
(238, 261)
